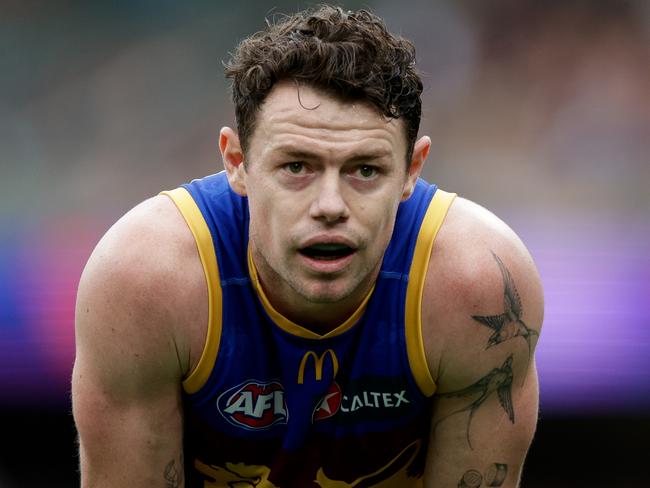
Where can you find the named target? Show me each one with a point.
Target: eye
(367, 171)
(295, 167)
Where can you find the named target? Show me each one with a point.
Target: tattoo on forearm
(173, 474)
(471, 479)
(495, 475)
(508, 324)
(498, 380)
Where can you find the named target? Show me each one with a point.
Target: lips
(327, 254)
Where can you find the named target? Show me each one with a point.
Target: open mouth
(327, 251)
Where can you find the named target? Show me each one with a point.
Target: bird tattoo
(498, 380)
(508, 324)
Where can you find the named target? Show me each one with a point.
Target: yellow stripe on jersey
(291, 327)
(195, 221)
(431, 223)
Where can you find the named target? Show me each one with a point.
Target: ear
(420, 153)
(233, 160)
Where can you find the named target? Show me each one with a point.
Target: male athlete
(316, 315)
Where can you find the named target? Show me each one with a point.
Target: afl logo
(254, 405)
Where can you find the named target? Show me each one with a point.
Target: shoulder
(143, 285)
(478, 267)
(463, 254)
(142, 257)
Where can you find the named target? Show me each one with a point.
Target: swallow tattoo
(498, 380)
(173, 475)
(508, 324)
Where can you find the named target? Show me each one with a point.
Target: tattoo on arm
(495, 475)
(498, 380)
(471, 479)
(173, 474)
(508, 324)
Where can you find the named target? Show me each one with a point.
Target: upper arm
(130, 356)
(483, 312)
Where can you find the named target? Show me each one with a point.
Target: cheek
(268, 220)
(260, 212)
(382, 222)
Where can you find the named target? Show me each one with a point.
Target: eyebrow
(357, 157)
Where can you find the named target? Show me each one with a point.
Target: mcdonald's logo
(318, 364)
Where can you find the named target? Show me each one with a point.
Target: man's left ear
(420, 153)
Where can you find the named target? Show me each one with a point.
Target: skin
(333, 173)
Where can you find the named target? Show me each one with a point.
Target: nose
(329, 205)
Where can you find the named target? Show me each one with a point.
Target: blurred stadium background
(539, 110)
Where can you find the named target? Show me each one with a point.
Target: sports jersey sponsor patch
(367, 398)
(334, 400)
(254, 405)
(329, 404)
(374, 399)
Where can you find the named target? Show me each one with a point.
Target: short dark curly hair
(350, 54)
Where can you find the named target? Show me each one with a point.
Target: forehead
(300, 115)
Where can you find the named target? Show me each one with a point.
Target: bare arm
(131, 350)
(484, 314)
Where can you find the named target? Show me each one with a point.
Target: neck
(318, 317)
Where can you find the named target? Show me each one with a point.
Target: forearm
(135, 442)
(480, 471)
(484, 446)
(141, 462)
(132, 472)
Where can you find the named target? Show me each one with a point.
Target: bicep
(126, 380)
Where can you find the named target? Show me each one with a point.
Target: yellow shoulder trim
(431, 223)
(195, 221)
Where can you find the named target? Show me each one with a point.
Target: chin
(329, 293)
(326, 298)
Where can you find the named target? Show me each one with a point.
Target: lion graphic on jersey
(375, 479)
(241, 475)
(234, 475)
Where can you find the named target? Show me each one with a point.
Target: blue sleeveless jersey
(272, 404)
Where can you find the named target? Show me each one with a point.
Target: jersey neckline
(291, 327)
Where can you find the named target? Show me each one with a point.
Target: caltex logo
(254, 405)
(330, 403)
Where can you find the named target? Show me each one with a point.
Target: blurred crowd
(542, 104)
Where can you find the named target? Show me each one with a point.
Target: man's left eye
(295, 167)
(367, 171)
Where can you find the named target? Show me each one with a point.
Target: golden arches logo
(318, 364)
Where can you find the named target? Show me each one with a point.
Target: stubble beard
(314, 290)
(327, 291)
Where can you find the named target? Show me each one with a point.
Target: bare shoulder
(141, 293)
(482, 290)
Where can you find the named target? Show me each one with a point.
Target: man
(316, 315)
